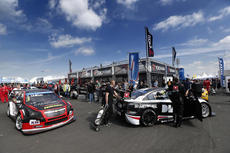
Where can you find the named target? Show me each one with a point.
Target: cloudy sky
(38, 37)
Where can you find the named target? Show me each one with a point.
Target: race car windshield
(139, 93)
(41, 97)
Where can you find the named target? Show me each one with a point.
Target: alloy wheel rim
(205, 110)
(149, 118)
(19, 123)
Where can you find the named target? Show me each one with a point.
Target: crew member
(177, 97)
(109, 94)
(1, 94)
(5, 93)
(197, 91)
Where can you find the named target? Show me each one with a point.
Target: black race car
(38, 110)
(149, 106)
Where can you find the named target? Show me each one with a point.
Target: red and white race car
(38, 110)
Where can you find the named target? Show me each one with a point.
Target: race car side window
(150, 96)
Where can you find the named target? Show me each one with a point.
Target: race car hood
(47, 105)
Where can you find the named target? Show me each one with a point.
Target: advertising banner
(142, 66)
(158, 68)
(86, 74)
(149, 42)
(102, 72)
(171, 70)
(121, 69)
(173, 55)
(73, 75)
(181, 74)
(221, 69)
(133, 74)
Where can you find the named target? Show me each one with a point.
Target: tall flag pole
(221, 70)
(173, 56)
(149, 53)
(70, 66)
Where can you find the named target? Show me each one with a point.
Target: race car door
(192, 107)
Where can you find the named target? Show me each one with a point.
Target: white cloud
(199, 67)
(3, 30)
(169, 2)
(166, 2)
(9, 10)
(222, 13)
(97, 4)
(80, 13)
(127, 3)
(223, 45)
(86, 51)
(180, 21)
(194, 42)
(66, 40)
(224, 29)
(52, 4)
(210, 51)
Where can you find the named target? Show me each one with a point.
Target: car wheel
(18, 123)
(205, 110)
(148, 118)
(8, 111)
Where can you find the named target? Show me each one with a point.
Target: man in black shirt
(109, 94)
(177, 96)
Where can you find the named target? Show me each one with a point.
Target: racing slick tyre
(206, 111)
(8, 111)
(18, 122)
(148, 118)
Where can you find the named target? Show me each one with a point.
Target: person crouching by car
(177, 96)
(109, 94)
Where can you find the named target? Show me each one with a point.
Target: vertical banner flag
(149, 43)
(173, 55)
(133, 73)
(70, 66)
(181, 74)
(221, 67)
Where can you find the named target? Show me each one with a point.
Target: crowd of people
(105, 91)
(95, 90)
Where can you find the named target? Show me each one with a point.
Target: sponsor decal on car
(34, 122)
(145, 106)
(167, 109)
(51, 106)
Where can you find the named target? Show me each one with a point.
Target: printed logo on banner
(133, 68)
(221, 67)
(154, 67)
